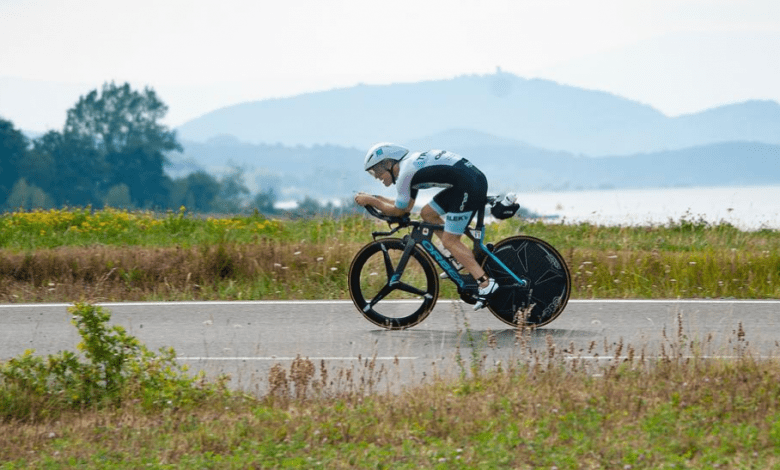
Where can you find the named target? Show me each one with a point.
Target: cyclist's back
(439, 169)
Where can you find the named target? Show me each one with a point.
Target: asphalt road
(245, 339)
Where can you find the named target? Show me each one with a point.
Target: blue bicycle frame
(422, 234)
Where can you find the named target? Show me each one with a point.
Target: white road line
(675, 301)
(349, 302)
(412, 358)
(290, 358)
(648, 358)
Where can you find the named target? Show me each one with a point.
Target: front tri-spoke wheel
(399, 304)
(548, 282)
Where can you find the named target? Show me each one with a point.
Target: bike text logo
(443, 263)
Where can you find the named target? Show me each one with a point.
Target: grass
(118, 255)
(548, 408)
(118, 405)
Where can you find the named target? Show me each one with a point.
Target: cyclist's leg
(458, 205)
(462, 253)
(447, 204)
(451, 240)
(430, 213)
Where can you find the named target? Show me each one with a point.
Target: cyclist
(464, 194)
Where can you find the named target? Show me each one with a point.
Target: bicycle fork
(394, 274)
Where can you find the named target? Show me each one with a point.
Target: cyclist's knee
(430, 215)
(449, 239)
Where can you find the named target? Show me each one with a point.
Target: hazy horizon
(679, 57)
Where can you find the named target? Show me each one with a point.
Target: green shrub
(113, 367)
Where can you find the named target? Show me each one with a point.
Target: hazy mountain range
(537, 112)
(525, 134)
(335, 171)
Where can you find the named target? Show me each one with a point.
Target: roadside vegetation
(114, 255)
(115, 404)
(119, 405)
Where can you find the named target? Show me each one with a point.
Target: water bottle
(509, 199)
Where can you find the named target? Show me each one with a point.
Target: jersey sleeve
(404, 184)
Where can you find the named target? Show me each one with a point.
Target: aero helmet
(384, 151)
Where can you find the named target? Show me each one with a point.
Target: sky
(679, 56)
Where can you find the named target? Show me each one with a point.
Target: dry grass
(550, 408)
(266, 269)
(114, 255)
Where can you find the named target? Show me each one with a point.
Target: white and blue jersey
(465, 187)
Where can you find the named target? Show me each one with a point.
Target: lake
(746, 207)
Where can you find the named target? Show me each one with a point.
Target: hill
(540, 113)
(330, 171)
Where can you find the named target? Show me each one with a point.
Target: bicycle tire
(370, 273)
(548, 277)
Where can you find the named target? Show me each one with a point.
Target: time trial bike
(393, 281)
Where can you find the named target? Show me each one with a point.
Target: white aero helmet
(384, 151)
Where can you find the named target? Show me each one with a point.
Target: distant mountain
(541, 113)
(336, 171)
(722, 164)
(522, 167)
(757, 121)
(323, 171)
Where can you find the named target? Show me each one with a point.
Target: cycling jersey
(465, 186)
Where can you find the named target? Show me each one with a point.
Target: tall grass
(44, 229)
(119, 255)
(116, 404)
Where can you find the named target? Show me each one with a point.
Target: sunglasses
(377, 170)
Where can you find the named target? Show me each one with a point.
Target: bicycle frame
(422, 234)
(534, 280)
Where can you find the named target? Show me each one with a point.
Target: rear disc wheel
(546, 274)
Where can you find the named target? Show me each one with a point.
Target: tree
(264, 202)
(307, 208)
(232, 192)
(122, 126)
(27, 197)
(78, 170)
(196, 192)
(13, 148)
(118, 197)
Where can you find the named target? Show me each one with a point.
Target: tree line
(112, 152)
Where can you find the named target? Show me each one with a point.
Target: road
(245, 339)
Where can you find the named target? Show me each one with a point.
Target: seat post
(481, 218)
(480, 226)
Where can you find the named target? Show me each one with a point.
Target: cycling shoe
(485, 293)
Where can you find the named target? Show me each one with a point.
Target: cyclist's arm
(383, 204)
(384, 199)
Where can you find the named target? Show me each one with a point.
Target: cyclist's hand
(363, 199)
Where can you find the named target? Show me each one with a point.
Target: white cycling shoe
(485, 293)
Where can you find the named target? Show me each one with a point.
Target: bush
(114, 367)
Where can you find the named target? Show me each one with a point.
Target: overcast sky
(679, 56)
